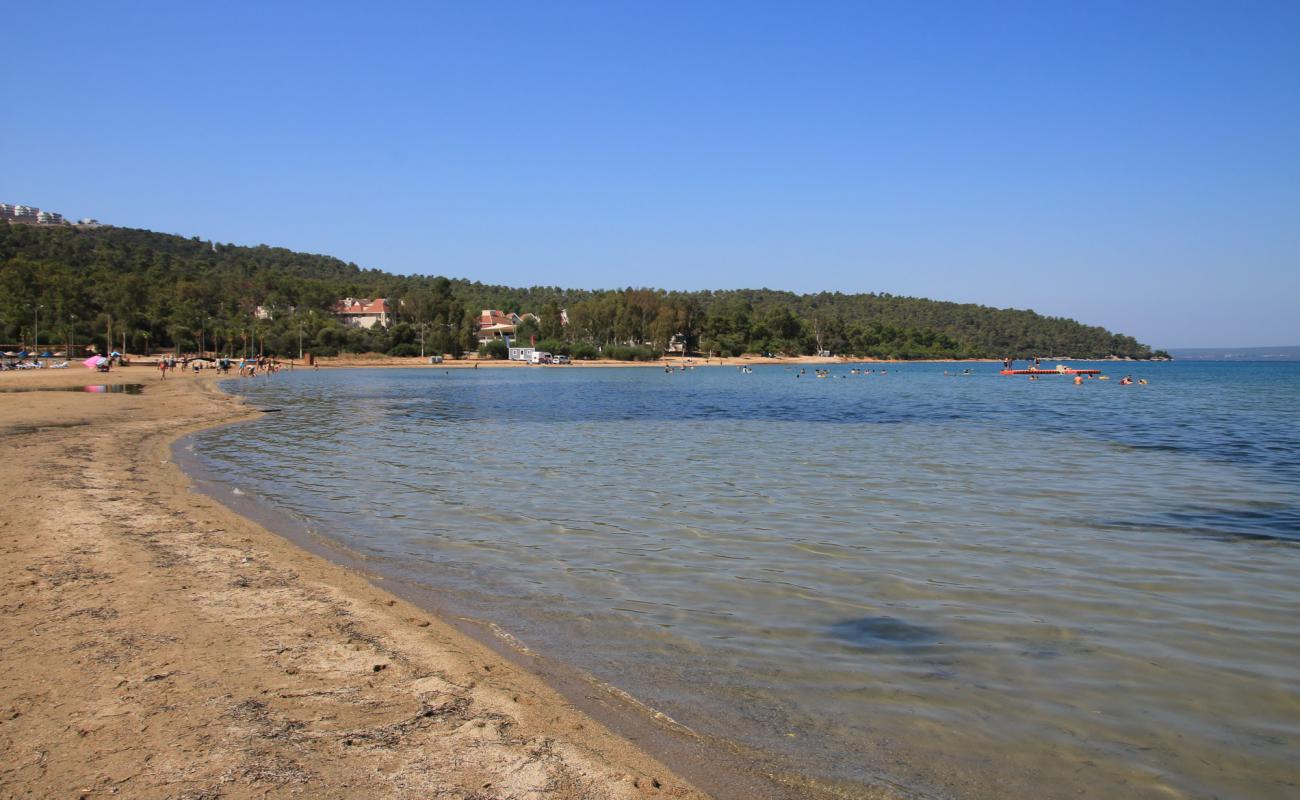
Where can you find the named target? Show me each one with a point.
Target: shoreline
(378, 360)
(160, 644)
(715, 766)
(375, 360)
(719, 766)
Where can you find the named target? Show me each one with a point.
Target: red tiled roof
(489, 317)
(352, 306)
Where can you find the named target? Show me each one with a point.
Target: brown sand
(157, 645)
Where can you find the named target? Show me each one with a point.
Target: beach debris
(392, 734)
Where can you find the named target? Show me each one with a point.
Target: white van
(539, 357)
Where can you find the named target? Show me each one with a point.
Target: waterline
(970, 586)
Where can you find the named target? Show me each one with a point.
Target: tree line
(157, 291)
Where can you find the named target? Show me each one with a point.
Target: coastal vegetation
(113, 286)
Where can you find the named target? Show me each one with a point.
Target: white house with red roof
(364, 313)
(494, 324)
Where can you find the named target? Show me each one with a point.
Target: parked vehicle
(561, 360)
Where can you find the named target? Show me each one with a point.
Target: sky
(1128, 164)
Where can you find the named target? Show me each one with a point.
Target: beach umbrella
(93, 361)
(47, 354)
(11, 354)
(115, 354)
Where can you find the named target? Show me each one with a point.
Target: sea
(926, 579)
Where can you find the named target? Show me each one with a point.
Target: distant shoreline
(377, 360)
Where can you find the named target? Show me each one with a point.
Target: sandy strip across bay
(158, 645)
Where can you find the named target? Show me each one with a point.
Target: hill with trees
(162, 291)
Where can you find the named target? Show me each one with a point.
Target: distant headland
(1281, 353)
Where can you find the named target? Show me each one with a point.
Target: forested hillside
(168, 291)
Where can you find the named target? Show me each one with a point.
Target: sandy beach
(157, 645)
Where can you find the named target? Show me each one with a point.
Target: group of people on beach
(247, 367)
(168, 364)
(252, 367)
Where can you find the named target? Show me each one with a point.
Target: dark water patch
(519, 406)
(1269, 445)
(879, 633)
(1280, 523)
(99, 388)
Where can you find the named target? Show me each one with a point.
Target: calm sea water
(972, 586)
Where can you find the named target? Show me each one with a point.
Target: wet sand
(157, 644)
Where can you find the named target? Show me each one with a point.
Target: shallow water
(98, 388)
(971, 586)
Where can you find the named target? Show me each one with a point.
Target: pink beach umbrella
(93, 361)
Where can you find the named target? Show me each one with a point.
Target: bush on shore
(621, 353)
(496, 348)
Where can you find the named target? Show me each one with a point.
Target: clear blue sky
(1130, 164)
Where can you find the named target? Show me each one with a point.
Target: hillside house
(364, 313)
(493, 324)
